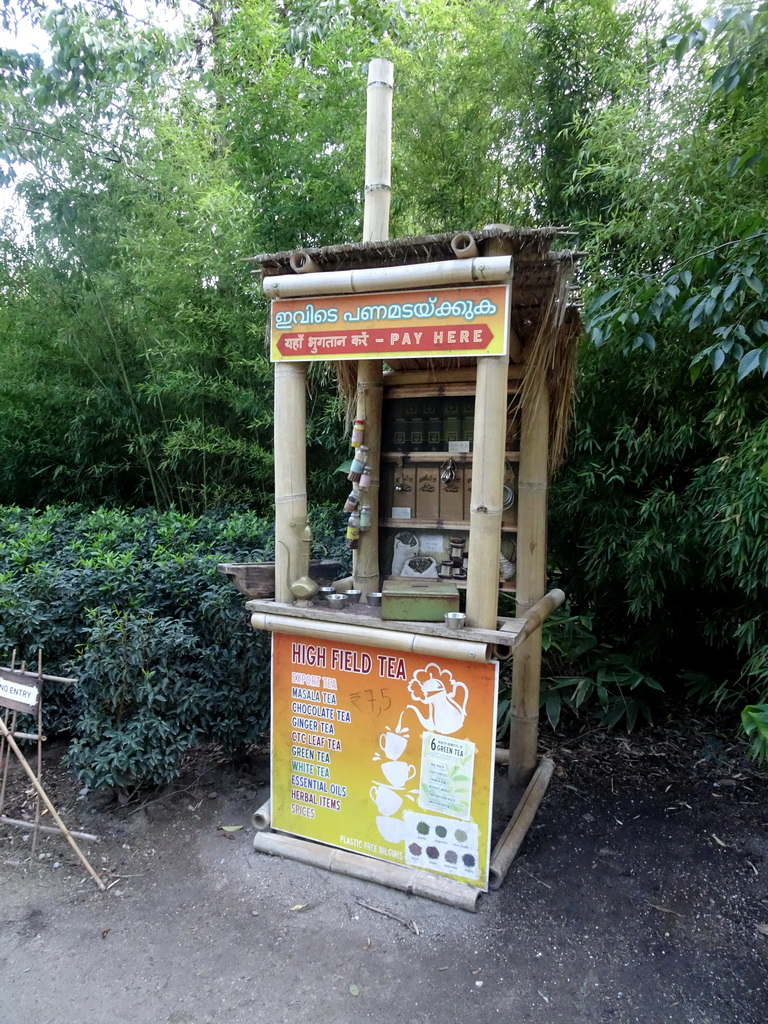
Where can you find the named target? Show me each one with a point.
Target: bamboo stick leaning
(5, 732)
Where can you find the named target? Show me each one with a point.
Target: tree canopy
(153, 148)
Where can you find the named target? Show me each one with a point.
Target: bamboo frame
(302, 262)
(464, 247)
(39, 747)
(509, 632)
(365, 570)
(344, 632)
(378, 162)
(531, 584)
(291, 555)
(534, 619)
(485, 510)
(4, 731)
(396, 876)
(484, 270)
(513, 835)
(262, 816)
(378, 150)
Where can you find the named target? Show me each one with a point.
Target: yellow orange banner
(385, 753)
(459, 321)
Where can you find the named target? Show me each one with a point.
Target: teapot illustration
(439, 691)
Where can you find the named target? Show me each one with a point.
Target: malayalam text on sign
(460, 321)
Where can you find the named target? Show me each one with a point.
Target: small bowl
(324, 593)
(336, 601)
(353, 596)
(455, 620)
(374, 599)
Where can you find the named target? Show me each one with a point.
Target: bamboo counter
(510, 633)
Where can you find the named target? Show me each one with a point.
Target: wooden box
(418, 600)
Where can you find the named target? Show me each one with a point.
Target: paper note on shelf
(401, 512)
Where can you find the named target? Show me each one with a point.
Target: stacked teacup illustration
(389, 794)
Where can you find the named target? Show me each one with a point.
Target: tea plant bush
(131, 603)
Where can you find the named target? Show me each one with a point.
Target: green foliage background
(132, 605)
(151, 156)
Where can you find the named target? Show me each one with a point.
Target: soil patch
(639, 896)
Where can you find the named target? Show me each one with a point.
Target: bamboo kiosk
(455, 353)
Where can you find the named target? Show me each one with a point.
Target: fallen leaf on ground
(718, 841)
(664, 910)
(230, 828)
(300, 906)
(762, 928)
(106, 932)
(354, 990)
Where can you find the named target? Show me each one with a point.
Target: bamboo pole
(378, 150)
(302, 263)
(482, 270)
(396, 876)
(530, 584)
(18, 823)
(513, 835)
(262, 817)
(464, 247)
(6, 754)
(290, 476)
(51, 809)
(19, 675)
(378, 160)
(485, 509)
(39, 746)
(416, 643)
(534, 619)
(365, 570)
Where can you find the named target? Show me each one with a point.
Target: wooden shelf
(435, 524)
(432, 457)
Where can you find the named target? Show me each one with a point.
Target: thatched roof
(538, 268)
(544, 314)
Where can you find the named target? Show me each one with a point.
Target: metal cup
(336, 601)
(323, 593)
(353, 596)
(455, 620)
(374, 599)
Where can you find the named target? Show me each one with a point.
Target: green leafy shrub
(583, 676)
(132, 605)
(754, 721)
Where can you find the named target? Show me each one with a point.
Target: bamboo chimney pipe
(378, 159)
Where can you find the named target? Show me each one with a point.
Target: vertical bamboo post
(290, 476)
(485, 507)
(378, 158)
(39, 746)
(378, 150)
(531, 583)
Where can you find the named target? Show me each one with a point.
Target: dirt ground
(640, 894)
